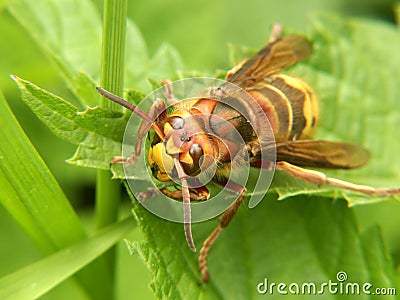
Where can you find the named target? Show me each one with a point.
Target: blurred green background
(199, 30)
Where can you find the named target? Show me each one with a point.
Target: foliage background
(200, 31)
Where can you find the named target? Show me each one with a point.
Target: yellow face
(184, 139)
(160, 162)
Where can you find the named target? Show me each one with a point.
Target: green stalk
(108, 195)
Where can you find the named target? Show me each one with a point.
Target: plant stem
(108, 195)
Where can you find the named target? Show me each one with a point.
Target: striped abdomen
(289, 104)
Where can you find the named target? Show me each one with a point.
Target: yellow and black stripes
(290, 105)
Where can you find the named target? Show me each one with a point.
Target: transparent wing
(322, 154)
(279, 54)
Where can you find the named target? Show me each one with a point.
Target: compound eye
(196, 152)
(176, 122)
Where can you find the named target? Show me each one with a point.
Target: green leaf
(85, 88)
(52, 270)
(77, 57)
(70, 33)
(165, 63)
(34, 199)
(136, 58)
(32, 195)
(354, 75)
(97, 132)
(379, 262)
(307, 239)
(356, 78)
(134, 96)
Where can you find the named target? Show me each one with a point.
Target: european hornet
(182, 138)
